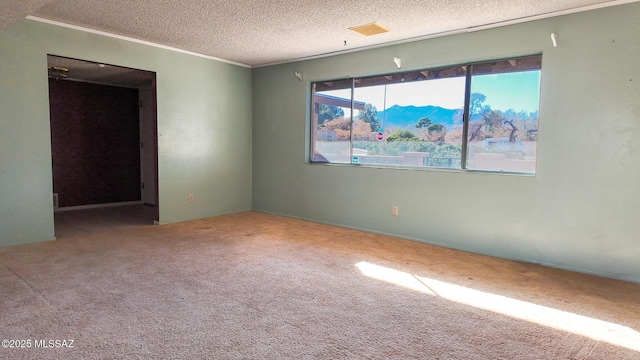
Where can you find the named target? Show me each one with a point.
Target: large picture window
(481, 116)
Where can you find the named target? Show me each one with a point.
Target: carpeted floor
(258, 286)
(72, 223)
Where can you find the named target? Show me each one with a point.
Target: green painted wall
(580, 210)
(204, 127)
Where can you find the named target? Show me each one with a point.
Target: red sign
(380, 136)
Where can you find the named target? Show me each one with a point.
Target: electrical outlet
(190, 197)
(394, 210)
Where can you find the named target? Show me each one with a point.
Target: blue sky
(517, 91)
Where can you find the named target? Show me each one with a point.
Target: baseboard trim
(97, 206)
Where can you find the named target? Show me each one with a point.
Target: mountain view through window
(418, 118)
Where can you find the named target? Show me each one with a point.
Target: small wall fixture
(57, 72)
(298, 74)
(554, 39)
(398, 62)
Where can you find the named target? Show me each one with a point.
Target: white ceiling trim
(396, 42)
(138, 41)
(552, 14)
(460, 31)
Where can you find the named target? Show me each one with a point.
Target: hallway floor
(75, 223)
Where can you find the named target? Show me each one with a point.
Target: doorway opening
(104, 146)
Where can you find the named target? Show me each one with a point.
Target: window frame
(468, 74)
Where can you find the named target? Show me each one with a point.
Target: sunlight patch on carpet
(595, 329)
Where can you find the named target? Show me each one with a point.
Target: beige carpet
(74, 223)
(258, 286)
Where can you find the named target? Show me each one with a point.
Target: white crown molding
(341, 52)
(459, 31)
(126, 38)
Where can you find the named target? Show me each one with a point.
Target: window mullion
(353, 84)
(466, 116)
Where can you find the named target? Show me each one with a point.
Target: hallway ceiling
(97, 73)
(265, 32)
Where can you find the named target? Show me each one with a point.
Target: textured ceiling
(271, 31)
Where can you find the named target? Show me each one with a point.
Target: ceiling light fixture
(58, 72)
(370, 29)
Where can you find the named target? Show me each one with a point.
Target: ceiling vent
(370, 29)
